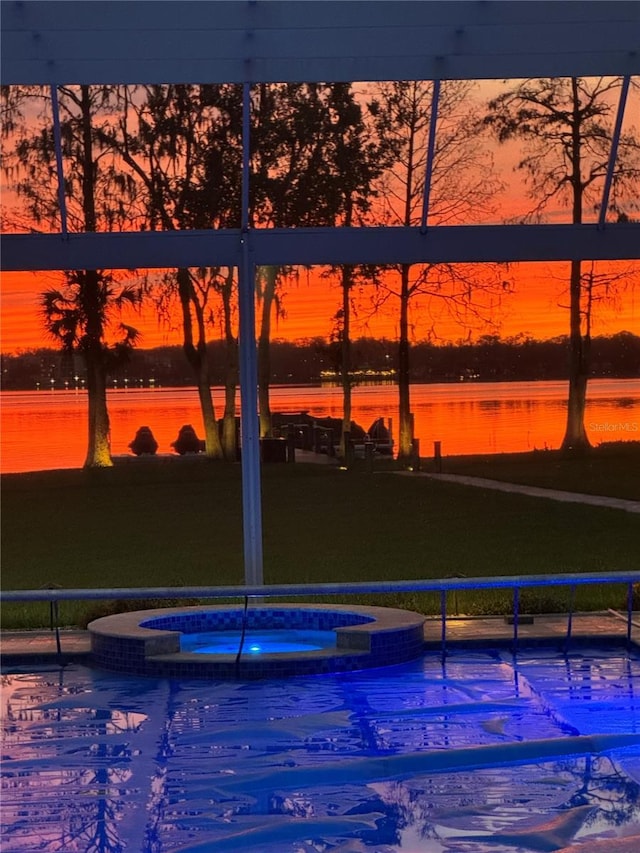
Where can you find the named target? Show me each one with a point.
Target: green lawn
(179, 523)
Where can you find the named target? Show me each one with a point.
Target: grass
(172, 524)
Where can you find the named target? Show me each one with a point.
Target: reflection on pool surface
(257, 642)
(476, 754)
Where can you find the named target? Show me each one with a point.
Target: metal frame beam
(57, 139)
(613, 154)
(250, 460)
(431, 153)
(309, 246)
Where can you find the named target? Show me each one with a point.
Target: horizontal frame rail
(307, 246)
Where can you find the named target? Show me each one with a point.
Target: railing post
(516, 614)
(55, 623)
(629, 611)
(54, 614)
(443, 618)
(572, 599)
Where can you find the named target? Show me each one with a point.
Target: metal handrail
(441, 585)
(273, 590)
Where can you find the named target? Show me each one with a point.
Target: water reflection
(72, 763)
(48, 430)
(99, 763)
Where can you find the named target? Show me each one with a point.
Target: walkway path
(537, 492)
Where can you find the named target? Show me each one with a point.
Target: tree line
(490, 359)
(169, 158)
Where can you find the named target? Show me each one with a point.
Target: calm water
(257, 641)
(477, 755)
(47, 429)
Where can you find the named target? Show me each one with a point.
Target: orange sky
(535, 307)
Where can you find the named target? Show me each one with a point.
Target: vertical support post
(516, 616)
(629, 612)
(614, 151)
(251, 488)
(443, 619)
(57, 141)
(431, 150)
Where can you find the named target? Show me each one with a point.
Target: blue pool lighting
(258, 642)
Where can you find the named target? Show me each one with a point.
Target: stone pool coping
(383, 636)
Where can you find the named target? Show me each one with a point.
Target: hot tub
(152, 642)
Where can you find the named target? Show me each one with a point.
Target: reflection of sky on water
(96, 762)
(48, 429)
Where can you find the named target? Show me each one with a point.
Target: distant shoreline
(491, 359)
(321, 383)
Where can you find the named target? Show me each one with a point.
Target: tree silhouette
(78, 317)
(360, 160)
(462, 187)
(96, 194)
(566, 125)
(183, 145)
(311, 166)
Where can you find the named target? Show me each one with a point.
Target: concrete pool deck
(25, 647)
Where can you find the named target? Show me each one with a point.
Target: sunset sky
(534, 303)
(535, 307)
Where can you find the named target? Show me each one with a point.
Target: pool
(478, 753)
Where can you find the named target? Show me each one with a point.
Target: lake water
(47, 429)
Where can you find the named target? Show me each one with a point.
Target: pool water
(257, 641)
(476, 754)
